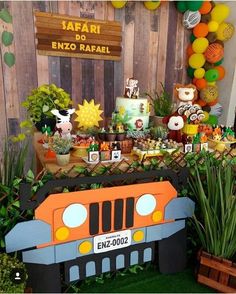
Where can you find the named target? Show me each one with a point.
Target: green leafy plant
(11, 173)
(45, 98)
(61, 145)
(122, 119)
(214, 188)
(161, 102)
(13, 162)
(159, 132)
(7, 285)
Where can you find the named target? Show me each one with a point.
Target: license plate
(112, 241)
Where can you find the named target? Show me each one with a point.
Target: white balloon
(191, 19)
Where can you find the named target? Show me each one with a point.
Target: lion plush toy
(185, 94)
(131, 88)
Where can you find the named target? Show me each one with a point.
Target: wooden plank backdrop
(153, 51)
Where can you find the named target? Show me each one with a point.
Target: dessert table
(51, 165)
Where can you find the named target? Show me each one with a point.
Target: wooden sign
(63, 35)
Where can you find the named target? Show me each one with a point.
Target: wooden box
(217, 273)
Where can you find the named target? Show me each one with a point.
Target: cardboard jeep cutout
(84, 233)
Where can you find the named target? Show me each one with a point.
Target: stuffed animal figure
(63, 126)
(185, 94)
(175, 123)
(131, 88)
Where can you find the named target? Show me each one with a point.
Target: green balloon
(192, 38)
(212, 75)
(213, 120)
(219, 62)
(190, 72)
(193, 5)
(181, 6)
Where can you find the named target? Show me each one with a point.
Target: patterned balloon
(225, 31)
(209, 94)
(214, 53)
(191, 19)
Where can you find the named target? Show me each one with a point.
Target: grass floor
(149, 280)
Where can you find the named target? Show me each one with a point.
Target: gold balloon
(225, 31)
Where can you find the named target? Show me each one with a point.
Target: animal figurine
(139, 124)
(63, 125)
(185, 94)
(131, 88)
(175, 123)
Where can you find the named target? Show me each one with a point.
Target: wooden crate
(217, 273)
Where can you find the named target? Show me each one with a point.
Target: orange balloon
(201, 84)
(200, 102)
(221, 72)
(214, 53)
(205, 8)
(213, 102)
(190, 50)
(194, 81)
(200, 30)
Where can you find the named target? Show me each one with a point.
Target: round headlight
(146, 204)
(74, 215)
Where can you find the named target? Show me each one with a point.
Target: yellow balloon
(199, 73)
(211, 83)
(196, 60)
(220, 12)
(200, 45)
(225, 31)
(206, 116)
(152, 5)
(118, 4)
(213, 26)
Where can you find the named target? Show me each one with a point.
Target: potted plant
(61, 146)
(111, 134)
(42, 100)
(161, 103)
(159, 132)
(10, 268)
(213, 184)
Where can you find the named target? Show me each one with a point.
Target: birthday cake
(134, 107)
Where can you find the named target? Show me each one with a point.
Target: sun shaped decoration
(88, 114)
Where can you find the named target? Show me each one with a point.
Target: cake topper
(131, 88)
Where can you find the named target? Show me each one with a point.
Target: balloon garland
(150, 5)
(205, 53)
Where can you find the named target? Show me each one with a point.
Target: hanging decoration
(7, 37)
(152, 5)
(205, 53)
(88, 115)
(118, 4)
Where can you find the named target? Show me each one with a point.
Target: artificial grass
(149, 281)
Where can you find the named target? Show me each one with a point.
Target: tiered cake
(136, 108)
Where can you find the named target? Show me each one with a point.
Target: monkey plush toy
(175, 123)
